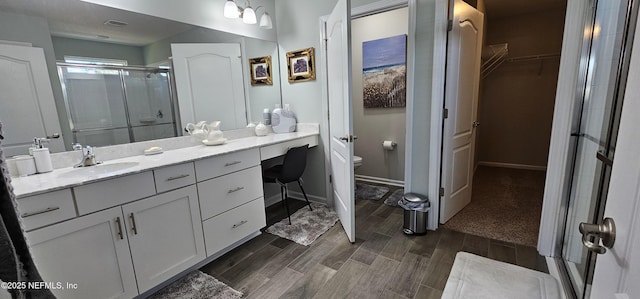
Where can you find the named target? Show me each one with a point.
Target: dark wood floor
(383, 263)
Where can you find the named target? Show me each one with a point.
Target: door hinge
(449, 25)
(441, 191)
(330, 179)
(445, 113)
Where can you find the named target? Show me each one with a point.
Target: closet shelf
(533, 57)
(493, 56)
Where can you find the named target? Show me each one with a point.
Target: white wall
(76, 47)
(298, 28)
(374, 125)
(201, 13)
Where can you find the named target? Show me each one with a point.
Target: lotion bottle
(42, 156)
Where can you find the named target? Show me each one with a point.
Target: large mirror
(110, 77)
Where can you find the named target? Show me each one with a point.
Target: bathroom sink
(97, 170)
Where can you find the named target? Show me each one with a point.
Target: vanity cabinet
(165, 235)
(231, 198)
(124, 236)
(91, 252)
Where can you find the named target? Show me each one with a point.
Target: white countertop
(55, 180)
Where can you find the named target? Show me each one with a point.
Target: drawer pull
(173, 178)
(232, 163)
(235, 190)
(133, 224)
(49, 209)
(119, 228)
(239, 224)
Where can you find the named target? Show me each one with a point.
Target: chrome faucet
(88, 157)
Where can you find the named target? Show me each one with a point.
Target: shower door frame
(120, 69)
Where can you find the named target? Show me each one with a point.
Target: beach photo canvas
(384, 72)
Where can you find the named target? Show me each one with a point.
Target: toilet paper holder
(389, 145)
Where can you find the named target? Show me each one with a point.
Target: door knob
(475, 124)
(349, 138)
(605, 232)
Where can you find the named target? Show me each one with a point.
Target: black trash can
(416, 211)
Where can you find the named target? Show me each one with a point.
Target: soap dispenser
(41, 155)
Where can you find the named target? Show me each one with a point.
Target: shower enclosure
(109, 105)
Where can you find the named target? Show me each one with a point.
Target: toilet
(357, 161)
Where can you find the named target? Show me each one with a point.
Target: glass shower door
(149, 104)
(94, 99)
(595, 131)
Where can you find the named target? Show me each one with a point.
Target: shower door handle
(605, 232)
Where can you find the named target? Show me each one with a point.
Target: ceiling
(506, 8)
(82, 20)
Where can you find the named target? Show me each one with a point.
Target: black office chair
(295, 161)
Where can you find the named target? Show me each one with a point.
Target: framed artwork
(384, 72)
(301, 65)
(261, 71)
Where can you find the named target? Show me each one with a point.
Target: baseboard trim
(513, 165)
(272, 200)
(372, 179)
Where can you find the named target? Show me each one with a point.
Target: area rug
(306, 226)
(393, 199)
(197, 285)
(474, 276)
(372, 192)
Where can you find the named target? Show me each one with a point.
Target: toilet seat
(357, 161)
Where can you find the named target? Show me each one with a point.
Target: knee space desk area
(145, 221)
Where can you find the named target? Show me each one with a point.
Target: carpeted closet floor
(505, 205)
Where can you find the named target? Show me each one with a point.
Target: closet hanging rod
(532, 57)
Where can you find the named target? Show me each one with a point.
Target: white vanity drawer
(230, 227)
(279, 149)
(41, 210)
(174, 177)
(110, 193)
(221, 165)
(227, 192)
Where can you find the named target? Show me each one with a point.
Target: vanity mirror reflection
(128, 94)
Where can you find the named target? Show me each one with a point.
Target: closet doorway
(517, 88)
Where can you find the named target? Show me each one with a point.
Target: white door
(165, 235)
(27, 106)
(461, 101)
(617, 272)
(338, 35)
(209, 84)
(91, 251)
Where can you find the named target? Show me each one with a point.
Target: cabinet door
(91, 252)
(165, 235)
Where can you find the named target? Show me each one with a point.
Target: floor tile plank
(277, 285)
(373, 283)
(343, 281)
(310, 283)
(425, 292)
(407, 277)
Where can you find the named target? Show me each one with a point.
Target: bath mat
(393, 199)
(474, 276)
(197, 285)
(366, 191)
(306, 226)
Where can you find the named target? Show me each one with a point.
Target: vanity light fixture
(248, 14)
